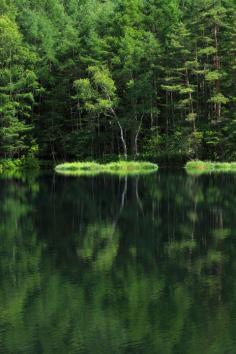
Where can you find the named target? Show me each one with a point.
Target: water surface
(143, 265)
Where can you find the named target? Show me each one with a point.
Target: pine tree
(18, 84)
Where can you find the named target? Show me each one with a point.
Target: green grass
(201, 167)
(118, 168)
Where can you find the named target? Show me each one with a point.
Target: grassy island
(117, 168)
(200, 167)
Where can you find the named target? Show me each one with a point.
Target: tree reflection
(137, 265)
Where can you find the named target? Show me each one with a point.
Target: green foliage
(219, 99)
(97, 94)
(25, 163)
(175, 148)
(84, 80)
(18, 85)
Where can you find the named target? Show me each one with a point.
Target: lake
(99, 265)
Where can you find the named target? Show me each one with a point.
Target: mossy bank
(115, 168)
(200, 167)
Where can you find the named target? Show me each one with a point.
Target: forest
(113, 247)
(103, 79)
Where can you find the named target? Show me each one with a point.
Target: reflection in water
(109, 265)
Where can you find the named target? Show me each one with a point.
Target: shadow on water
(118, 265)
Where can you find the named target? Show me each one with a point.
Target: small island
(114, 168)
(200, 167)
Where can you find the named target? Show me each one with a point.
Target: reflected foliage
(108, 265)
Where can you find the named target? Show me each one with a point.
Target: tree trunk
(135, 145)
(122, 139)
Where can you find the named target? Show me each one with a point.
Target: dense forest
(99, 79)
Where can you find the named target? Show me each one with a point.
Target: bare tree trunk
(121, 132)
(122, 139)
(136, 139)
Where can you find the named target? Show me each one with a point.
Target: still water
(108, 265)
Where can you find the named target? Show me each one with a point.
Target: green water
(106, 265)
